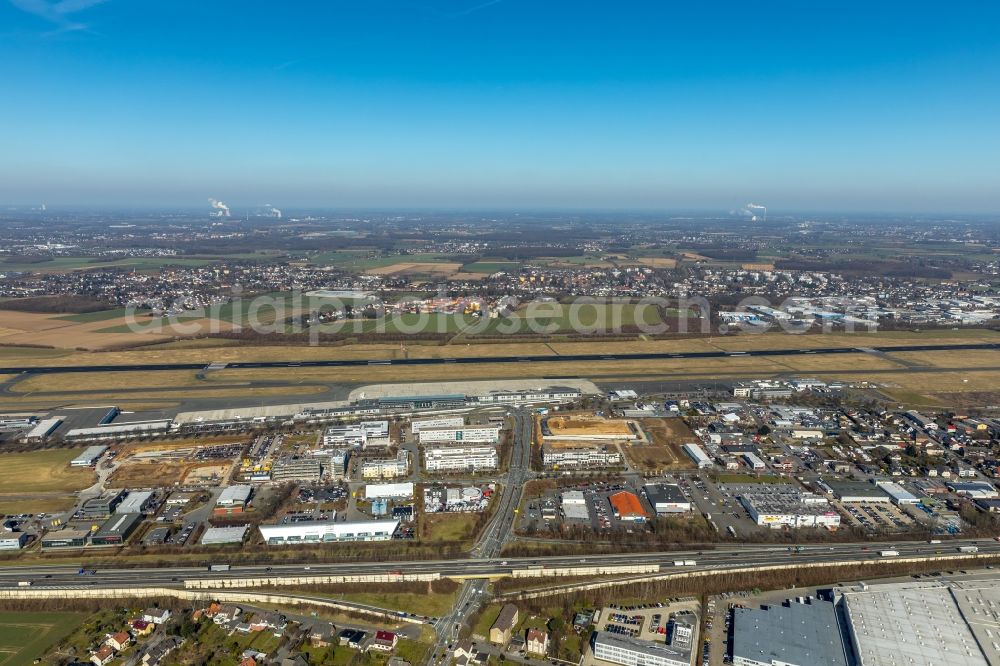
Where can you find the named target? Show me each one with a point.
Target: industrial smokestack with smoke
(272, 211)
(221, 209)
(756, 212)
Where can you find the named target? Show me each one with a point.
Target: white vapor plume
(221, 209)
(273, 211)
(756, 212)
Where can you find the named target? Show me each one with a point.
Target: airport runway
(478, 360)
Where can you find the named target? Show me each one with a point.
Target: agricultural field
(26, 636)
(489, 267)
(407, 268)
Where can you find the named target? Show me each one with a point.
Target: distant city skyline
(503, 105)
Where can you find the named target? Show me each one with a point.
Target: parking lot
(548, 511)
(874, 516)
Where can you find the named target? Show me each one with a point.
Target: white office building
(386, 468)
(626, 651)
(365, 434)
(473, 434)
(452, 422)
(468, 457)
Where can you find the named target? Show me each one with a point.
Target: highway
(476, 360)
(722, 558)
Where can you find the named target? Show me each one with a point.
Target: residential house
(142, 628)
(119, 641)
(322, 635)
(537, 642)
(104, 655)
(503, 628)
(154, 653)
(466, 654)
(226, 614)
(156, 615)
(384, 641)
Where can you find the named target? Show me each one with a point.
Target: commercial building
(574, 505)
(116, 530)
(753, 461)
(65, 538)
(389, 491)
(386, 468)
(297, 469)
(921, 623)
(666, 498)
(698, 455)
(857, 492)
(89, 457)
(214, 536)
(974, 489)
(137, 501)
(13, 541)
(580, 456)
(616, 649)
(328, 531)
(357, 434)
(626, 506)
(897, 494)
(102, 506)
(437, 424)
(473, 434)
(43, 429)
(340, 460)
(120, 431)
(778, 506)
(234, 499)
(460, 458)
(799, 634)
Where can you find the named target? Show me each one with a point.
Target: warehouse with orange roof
(626, 506)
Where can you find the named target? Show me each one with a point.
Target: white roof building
(388, 490)
(325, 532)
(222, 535)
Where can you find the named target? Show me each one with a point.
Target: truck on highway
(219, 567)
(968, 549)
(24, 583)
(888, 553)
(934, 541)
(86, 572)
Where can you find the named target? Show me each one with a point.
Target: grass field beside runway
(42, 471)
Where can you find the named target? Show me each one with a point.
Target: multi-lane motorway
(721, 558)
(567, 358)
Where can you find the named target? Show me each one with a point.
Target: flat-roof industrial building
(216, 536)
(799, 634)
(88, 457)
(918, 623)
(137, 501)
(328, 531)
(666, 498)
(116, 530)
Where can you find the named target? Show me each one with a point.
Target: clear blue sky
(797, 104)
